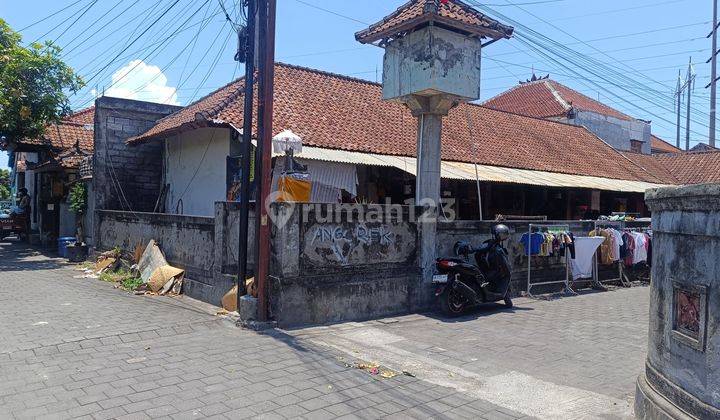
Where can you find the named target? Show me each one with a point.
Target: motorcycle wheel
(452, 303)
(508, 302)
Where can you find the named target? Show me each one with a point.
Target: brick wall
(126, 177)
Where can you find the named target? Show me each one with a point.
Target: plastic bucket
(63, 243)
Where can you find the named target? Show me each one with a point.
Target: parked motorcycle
(460, 284)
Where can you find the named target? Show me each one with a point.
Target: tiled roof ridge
(329, 73)
(482, 105)
(73, 123)
(392, 15)
(689, 152)
(557, 95)
(81, 111)
(213, 111)
(553, 81)
(210, 94)
(424, 11)
(512, 89)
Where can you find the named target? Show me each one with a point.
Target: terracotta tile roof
(84, 116)
(338, 112)
(703, 147)
(65, 134)
(75, 127)
(548, 98)
(693, 167)
(453, 13)
(653, 166)
(659, 145)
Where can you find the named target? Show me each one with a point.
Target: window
(636, 146)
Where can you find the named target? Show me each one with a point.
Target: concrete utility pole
(690, 80)
(713, 75)
(678, 95)
(266, 87)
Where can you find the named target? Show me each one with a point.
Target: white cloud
(142, 82)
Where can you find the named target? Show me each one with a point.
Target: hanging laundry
(585, 248)
(532, 243)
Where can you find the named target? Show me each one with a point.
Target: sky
(626, 53)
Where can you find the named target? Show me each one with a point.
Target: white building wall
(195, 165)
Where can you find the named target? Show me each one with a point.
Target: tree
(4, 184)
(34, 85)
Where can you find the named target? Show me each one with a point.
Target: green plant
(131, 283)
(34, 85)
(78, 198)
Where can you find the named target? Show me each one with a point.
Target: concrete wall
(683, 361)
(206, 247)
(542, 268)
(195, 170)
(615, 131)
(89, 216)
(126, 177)
(68, 225)
(186, 241)
(333, 271)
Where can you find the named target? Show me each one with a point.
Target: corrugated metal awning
(466, 171)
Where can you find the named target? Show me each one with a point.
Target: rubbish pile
(146, 271)
(229, 300)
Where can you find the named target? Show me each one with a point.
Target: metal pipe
(246, 150)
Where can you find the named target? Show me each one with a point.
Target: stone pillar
(682, 370)
(428, 162)
(429, 110)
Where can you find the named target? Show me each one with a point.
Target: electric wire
(134, 40)
(49, 16)
(87, 9)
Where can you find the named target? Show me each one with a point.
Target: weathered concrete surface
(205, 247)
(617, 132)
(186, 241)
(683, 360)
(326, 269)
(355, 244)
(432, 61)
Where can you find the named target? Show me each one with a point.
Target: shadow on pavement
(16, 255)
(478, 312)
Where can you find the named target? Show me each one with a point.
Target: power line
(158, 48)
(53, 28)
(135, 40)
(332, 12)
(50, 15)
(542, 44)
(98, 20)
(110, 32)
(607, 12)
(87, 9)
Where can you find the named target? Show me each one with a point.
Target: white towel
(585, 248)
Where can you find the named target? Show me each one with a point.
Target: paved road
(77, 348)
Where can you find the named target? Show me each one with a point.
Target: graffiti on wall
(346, 244)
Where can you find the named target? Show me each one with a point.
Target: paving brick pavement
(77, 348)
(574, 357)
